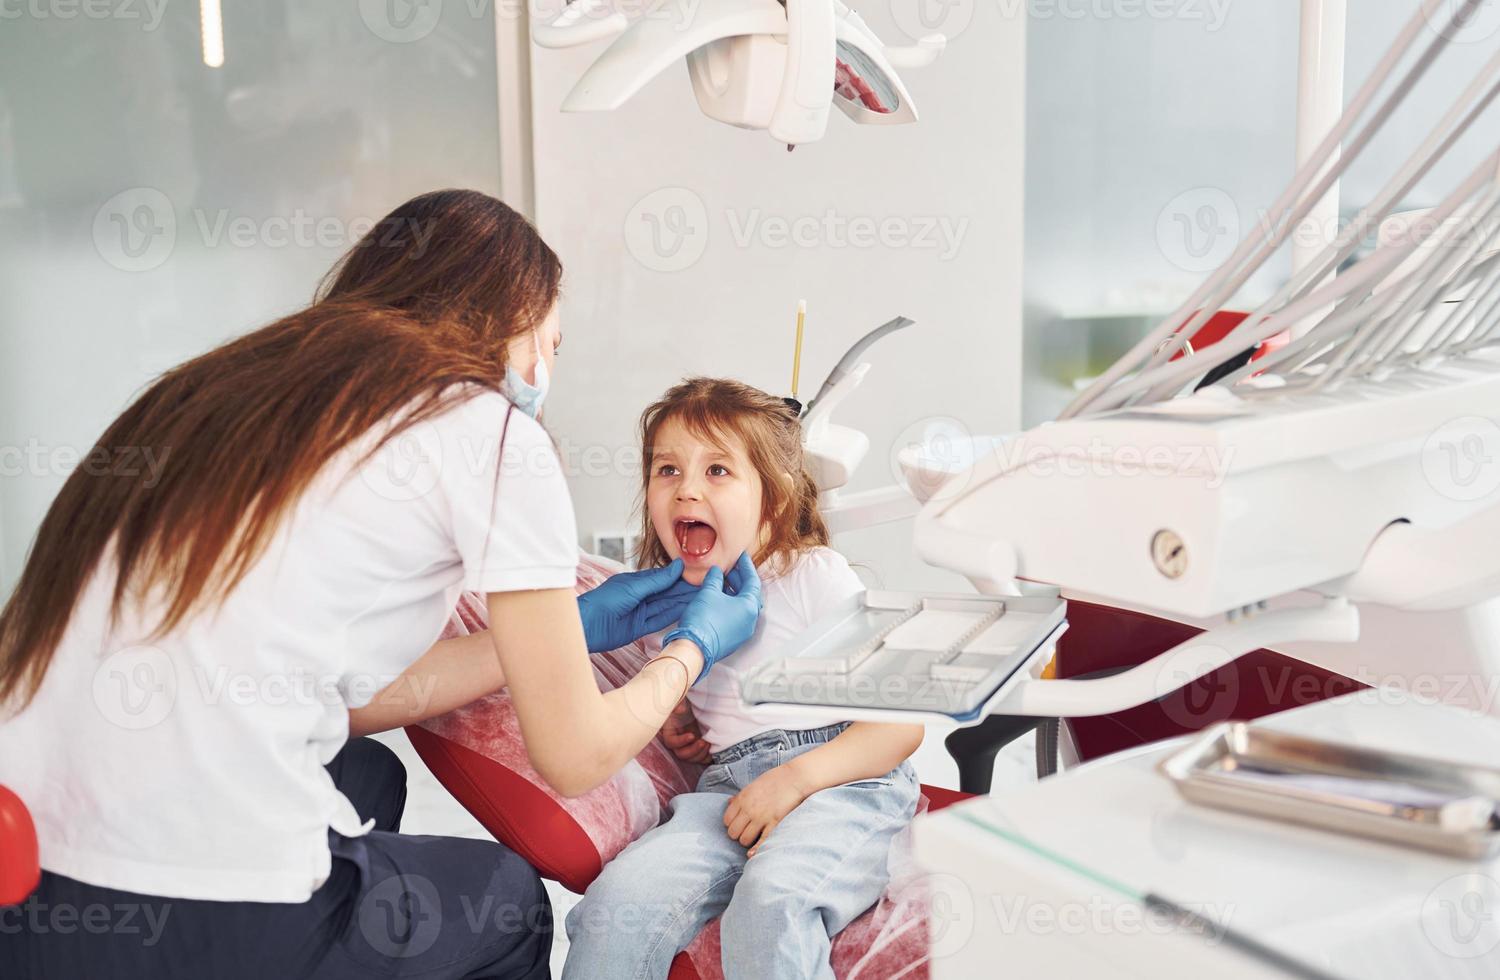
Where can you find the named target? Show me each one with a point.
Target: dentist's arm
(449, 675)
(453, 672)
(576, 736)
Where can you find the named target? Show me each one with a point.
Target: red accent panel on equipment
(528, 821)
(20, 867)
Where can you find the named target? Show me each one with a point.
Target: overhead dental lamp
(756, 64)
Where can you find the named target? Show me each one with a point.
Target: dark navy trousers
(395, 905)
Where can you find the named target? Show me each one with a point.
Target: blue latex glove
(719, 622)
(627, 606)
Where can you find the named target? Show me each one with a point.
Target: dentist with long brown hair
(185, 657)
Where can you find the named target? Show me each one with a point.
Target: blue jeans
(822, 866)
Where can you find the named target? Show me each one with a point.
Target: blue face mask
(523, 394)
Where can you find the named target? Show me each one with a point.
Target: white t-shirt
(192, 766)
(819, 580)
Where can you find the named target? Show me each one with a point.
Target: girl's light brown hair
(429, 299)
(713, 408)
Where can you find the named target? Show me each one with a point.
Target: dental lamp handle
(806, 96)
(918, 55)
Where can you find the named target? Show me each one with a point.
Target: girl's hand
(756, 810)
(682, 735)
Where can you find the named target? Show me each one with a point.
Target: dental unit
(1316, 469)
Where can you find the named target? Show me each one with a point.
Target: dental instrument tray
(1405, 799)
(910, 656)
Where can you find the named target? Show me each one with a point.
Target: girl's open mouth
(695, 538)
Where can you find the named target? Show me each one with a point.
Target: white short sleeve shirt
(816, 582)
(192, 766)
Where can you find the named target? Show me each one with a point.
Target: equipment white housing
(755, 64)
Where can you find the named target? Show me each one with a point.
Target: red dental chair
(20, 869)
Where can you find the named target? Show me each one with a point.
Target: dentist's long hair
(429, 299)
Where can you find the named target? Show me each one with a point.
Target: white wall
(632, 329)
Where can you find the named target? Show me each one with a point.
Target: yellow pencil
(797, 354)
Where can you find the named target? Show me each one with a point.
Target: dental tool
(792, 402)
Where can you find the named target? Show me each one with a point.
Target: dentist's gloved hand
(720, 621)
(627, 606)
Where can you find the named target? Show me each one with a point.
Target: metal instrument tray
(1405, 799)
(910, 654)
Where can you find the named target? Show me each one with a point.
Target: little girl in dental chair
(787, 835)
